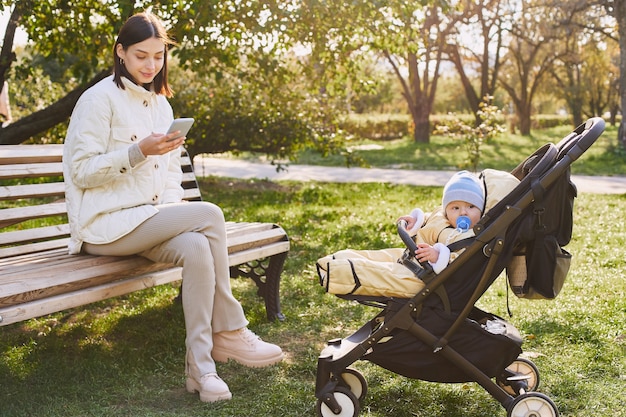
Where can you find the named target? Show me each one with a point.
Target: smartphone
(183, 125)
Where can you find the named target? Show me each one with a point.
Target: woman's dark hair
(138, 28)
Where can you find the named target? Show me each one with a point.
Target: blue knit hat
(464, 186)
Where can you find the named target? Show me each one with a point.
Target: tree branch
(47, 118)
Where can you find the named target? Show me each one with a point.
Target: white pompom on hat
(464, 186)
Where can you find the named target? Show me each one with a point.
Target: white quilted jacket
(107, 198)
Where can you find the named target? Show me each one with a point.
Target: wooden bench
(39, 277)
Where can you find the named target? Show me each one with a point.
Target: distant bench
(39, 277)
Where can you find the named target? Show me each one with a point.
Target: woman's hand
(159, 144)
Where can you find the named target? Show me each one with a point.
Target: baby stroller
(438, 335)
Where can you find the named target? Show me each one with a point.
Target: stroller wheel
(354, 381)
(520, 376)
(339, 403)
(533, 404)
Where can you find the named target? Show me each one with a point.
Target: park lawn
(125, 356)
(447, 153)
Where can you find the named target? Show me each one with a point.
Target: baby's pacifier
(463, 223)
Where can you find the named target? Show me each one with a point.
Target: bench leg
(272, 287)
(266, 275)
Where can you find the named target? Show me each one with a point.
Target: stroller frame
(340, 389)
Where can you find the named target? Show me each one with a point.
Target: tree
(567, 71)
(611, 29)
(601, 92)
(474, 136)
(584, 73)
(529, 57)
(421, 36)
(408, 36)
(59, 31)
(617, 9)
(221, 40)
(483, 22)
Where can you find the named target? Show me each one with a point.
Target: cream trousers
(191, 235)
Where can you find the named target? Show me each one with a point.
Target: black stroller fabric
(406, 355)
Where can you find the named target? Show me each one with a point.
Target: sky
(20, 35)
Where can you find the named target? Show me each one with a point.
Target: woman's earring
(122, 61)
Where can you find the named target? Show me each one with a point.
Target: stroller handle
(406, 238)
(411, 245)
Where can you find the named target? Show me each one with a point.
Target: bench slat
(40, 271)
(15, 192)
(185, 160)
(51, 189)
(30, 235)
(257, 253)
(238, 235)
(34, 247)
(19, 214)
(28, 154)
(49, 169)
(46, 276)
(37, 308)
(24, 258)
(189, 177)
(243, 228)
(191, 194)
(244, 242)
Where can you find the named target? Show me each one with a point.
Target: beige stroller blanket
(368, 272)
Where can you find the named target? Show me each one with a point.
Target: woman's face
(143, 60)
(461, 208)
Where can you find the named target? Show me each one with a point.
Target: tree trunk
(422, 130)
(524, 122)
(420, 113)
(7, 56)
(620, 16)
(470, 93)
(613, 114)
(577, 113)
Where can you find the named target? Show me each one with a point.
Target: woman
(124, 197)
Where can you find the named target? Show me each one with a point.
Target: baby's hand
(414, 221)
(410, 221)
(426, 252)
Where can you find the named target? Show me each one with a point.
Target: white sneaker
(211, 388)
(246, 348)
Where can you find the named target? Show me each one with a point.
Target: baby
(382, 272)
(462, 206)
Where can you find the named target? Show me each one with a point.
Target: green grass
(504, 152)
(125, 356)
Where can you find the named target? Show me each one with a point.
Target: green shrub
(474, 136)
(377, 127)
(544, 121)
